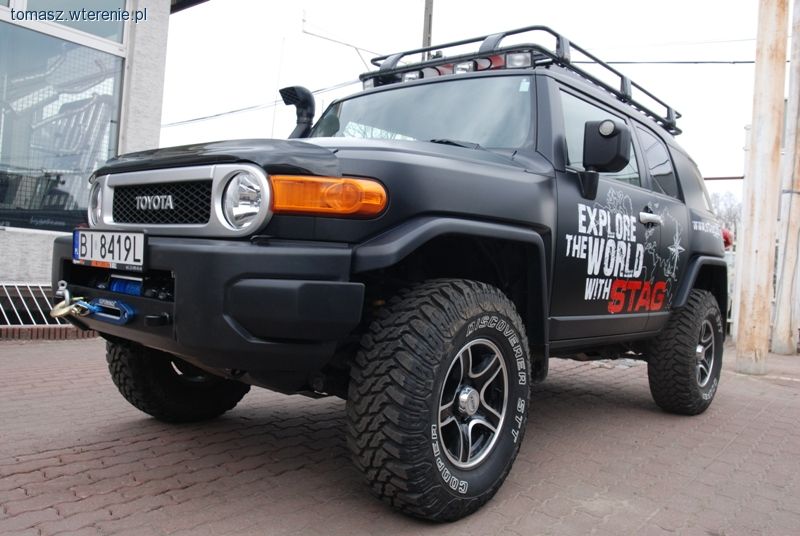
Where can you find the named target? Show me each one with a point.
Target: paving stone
(599, 458)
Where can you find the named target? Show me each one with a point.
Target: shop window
(59, 113)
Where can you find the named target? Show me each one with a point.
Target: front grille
(191, 203)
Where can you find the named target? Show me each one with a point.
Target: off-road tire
(148, 379)
(399, 379)
(672, 357)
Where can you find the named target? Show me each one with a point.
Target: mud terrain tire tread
(671, 357)
(388, 430)
(146, 379)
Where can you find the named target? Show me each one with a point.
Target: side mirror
(606, 148)
(303, 100)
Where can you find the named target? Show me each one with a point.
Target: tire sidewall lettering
(500, 330)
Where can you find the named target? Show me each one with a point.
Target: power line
(254, 107)
(677, 62)
(358, 49)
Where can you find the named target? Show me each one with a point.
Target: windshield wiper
(457, 143)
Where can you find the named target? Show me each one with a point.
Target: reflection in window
(357, 130)
(576, 113)
(657, 159)
(492, 111)
(108, 29)
(59, 111)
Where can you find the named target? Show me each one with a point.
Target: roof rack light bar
(390, 71)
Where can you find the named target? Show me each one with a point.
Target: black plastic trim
(391, 247)
(689, 278)
(574, 327)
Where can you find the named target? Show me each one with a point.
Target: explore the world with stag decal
(614, 249)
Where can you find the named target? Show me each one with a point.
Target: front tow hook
(106, 310)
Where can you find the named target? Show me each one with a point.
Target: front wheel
(685, 360)
(438, 398)
(169, 388)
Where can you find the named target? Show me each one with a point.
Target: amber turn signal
(327, 195)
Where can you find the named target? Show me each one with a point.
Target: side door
(602, 283)
(670, 256)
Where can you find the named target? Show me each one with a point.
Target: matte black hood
(417, 148)
(275, 156)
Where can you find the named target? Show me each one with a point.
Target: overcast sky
(230, 54)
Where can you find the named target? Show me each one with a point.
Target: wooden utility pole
(787, 305)
(755, 256)
(427, 27)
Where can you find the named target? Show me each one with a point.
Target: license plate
(107, 249)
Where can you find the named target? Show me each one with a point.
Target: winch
(105, 309)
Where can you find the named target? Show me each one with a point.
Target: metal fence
(26, 304)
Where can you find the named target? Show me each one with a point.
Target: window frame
(651, 182)
(55, 29)
(562, 88)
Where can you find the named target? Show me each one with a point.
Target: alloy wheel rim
(472, 403)
(704, 353)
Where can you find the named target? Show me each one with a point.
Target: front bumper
(255, 307)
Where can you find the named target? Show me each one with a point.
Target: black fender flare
(693, 269)
(392, 246)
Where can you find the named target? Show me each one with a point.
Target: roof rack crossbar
(562, 56)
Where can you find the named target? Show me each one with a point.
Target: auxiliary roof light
(464, 67)
(511, 60)
(518, 60)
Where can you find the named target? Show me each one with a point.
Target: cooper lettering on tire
(438, 398)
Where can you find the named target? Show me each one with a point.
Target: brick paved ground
(598, 457)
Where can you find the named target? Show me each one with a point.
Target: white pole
(755, 256)
(787, 306)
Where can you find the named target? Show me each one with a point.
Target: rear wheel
(438, 398)
(169, 388)
(685, 360)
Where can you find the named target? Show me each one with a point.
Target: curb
(44, 333)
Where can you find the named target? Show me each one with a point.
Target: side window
(657, 159)
(576, 113)
(693, 187)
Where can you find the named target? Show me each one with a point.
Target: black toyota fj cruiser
(421, 251)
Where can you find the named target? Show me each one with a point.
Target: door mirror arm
(589, 180)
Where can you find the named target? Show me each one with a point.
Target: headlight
(242, 199)
(95, 208)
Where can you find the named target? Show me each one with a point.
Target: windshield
(490, 111)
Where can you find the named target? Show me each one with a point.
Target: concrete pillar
(143, 91)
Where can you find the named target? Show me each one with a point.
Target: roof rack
(391, 71)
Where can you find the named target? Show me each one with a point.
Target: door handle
(649, 218)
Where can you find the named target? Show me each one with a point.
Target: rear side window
(657, 159)
(576, 113)
(692, 183)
